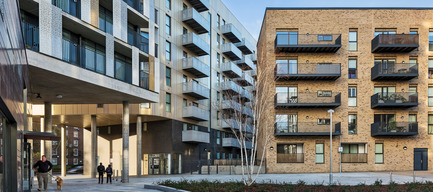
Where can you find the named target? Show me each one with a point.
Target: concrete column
(48, 125)
(139, 154)
(42, 141)
(125, 142)
(94, 147)
(63, 153)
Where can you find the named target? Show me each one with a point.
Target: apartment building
(372, 66)
(74, 148)
(145, 79)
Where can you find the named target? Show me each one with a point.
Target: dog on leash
(59, 183)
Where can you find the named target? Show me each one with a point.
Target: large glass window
(122, 68)
(384, 32)
(144, 75)
(354, 153)
(290, 153)
(167, 51)
(69, 6)
(93, 56)
(352, 68)
(378, 150)
(30, 27)
(105, 20)
(286, 123)
(287, 94)
(352, 124)
(353, 40)
(168, 25)
(320, 157)
(70, 47)
(168, 102)
(285, 67)
(168, 76)
(352, 96)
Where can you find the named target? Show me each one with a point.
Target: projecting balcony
(231, 70)
(195, 136)
(246, 111)
(245, 47)
(231, 51)
(307, 100)
(307, 71)
(234, 143)
(306, 129)
(394, 100)
(195, 44)
(394, 129)
(195, 20)
(246, 96)
(394, 72)
(230, 124)
(394, 43)
(231, 105)
(254, 58)
(244, 80)
(232, 34)
(195, 67)
(195, 113)
(196, 90)
(231, 88)
(307, 43)
(199, 5)
(245, 63)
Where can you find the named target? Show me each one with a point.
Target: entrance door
(420, 159)
(156, 163)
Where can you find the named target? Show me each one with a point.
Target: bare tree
(249, 118)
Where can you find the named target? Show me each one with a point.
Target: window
(353, 40)
(185, 103)
(122, 68)
(323, 121)
(93, 56)
(70, 47)
(168, 4)
(384, 32)
(324, 37)
(218, 137)
(320, 157)
(378, 150)
(430, 96)
(55, 142)
(354, 153)
(218, 79)
(167, 51)
(75, 152)
(145, 105)
(156, 16)
(168, 25)
(185, 31)
(68, 6)
(76, 134)
(76, 143)
(218, 21)
(324, 93)
(30, 29)
(218, 98)
(185, 6)
(290, 153)
(184, 79)
(156, 50)
(218, 155)
(54, 161)
(412, 118)
(168, 76)
(75, 161)
(224, 22)
(168, 102)
(224, 155)
(430, 124)
(218, 40)
(105, 20)
(54, 151)
(430, 40)
(287, 94)
(430, 68)
(352, 124)
(352, 96)
(352, 68)
(218, 59)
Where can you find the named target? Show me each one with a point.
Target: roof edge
(294, 8)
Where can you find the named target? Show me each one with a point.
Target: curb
(163, 188)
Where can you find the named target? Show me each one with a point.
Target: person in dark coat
(44, 166)
(109, 172)
(101, 170)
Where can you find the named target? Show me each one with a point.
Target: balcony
(199, 5)
(394, 72)
(307, 71)
(246, 111)
(354, 157)
(245, 80)
(232, 34)
(307, 100)
(246, 96)
(394, 100)
(195, 67)
(196, 90)
(195, 44)
(195, 113)
(230, 124)
(195, 20)
(394, 129)
(195, 136)
(231, 70)
(290, 157)
(234, 143)
(231, 51)
(307, 43)
(394, 43)
(245, 47)
(245, 63)
(231, 88)
(231, 105)
(306, 129)
(254, 58)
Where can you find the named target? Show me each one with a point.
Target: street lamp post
(330, 111)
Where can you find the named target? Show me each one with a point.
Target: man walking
(101, 170)
(43, 167)
(109, 172)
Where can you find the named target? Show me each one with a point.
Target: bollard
(390, 177)
(414, 176)
(217, 169)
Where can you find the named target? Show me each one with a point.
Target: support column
(48, 125)
(94, 147)
(125, 142)
(63, 153)
(139, 154)
(42, 141)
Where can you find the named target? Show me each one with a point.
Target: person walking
(43, 167)
(109, 172)
(101, 170)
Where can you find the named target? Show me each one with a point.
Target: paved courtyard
(81, 183)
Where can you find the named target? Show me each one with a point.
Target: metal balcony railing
(311, 43)
(195, 20)
(234, 143)
(394, 129)
(290, 157)
(195, 136)
(307, 100)
(231, 87)
(394, 43)
(394, 71)
(394, 100)
(307, 71)
(354, 157)
(306, 129)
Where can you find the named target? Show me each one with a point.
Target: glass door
(293, 66)
(386, 121)
(387, 65)
(293, 123)
(293, 37)
(385, 93)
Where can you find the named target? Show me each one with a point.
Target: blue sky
(250, 12)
